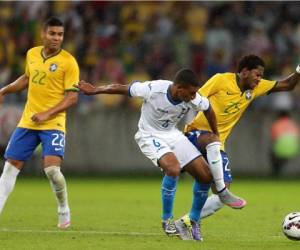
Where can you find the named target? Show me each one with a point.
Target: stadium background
(126, 41)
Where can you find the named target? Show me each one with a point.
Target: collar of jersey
(46, 58)
(238, 83)
(174, 102)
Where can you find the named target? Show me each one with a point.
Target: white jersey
(160, 113)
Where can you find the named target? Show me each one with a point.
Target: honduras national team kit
(160, 114)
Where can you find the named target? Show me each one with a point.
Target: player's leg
(189, 225)
(171, 168)
(209, 145)
(212, 205)
(192, 161)
(199, 170)
(20, 147)
(8, 179)
(158, 151)
(58, 184)
(213, 202)
(53, 143)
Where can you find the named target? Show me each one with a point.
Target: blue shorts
(193, 136)
(24, 141)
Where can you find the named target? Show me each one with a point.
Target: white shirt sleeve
(200, 103)
(140, 89)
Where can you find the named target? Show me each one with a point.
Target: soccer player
(165, 103)
(230, 94)
(49, 76)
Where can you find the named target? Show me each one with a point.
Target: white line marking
(77, 232)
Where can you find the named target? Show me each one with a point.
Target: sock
(211, 205)
(7, 182)
(168, 190)
(215, 163)
(59, 187)
(200, 193)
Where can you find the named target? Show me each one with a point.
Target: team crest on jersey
(53, 67)
(248, 94)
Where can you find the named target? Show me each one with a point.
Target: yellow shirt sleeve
(264, 87)
(71, 75)
(211, 86)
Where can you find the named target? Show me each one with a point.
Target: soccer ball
(291, 226)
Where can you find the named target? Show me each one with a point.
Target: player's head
(53, 33)
(186, 85)
(251, 70)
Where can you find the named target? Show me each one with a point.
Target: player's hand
(40, 117)
(86, 87)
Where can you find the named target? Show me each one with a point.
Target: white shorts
(154, 146)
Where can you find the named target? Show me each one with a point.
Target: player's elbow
(73, 99)
(209, 113)
(25, 79)
(286, 85)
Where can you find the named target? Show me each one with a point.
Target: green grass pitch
(122, 213)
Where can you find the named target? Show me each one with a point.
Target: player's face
(186, 93)
(253, 77)
(53, 37)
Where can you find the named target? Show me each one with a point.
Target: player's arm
(69, 100)
(16, 86)
(202, 104)
(115, 88)
(212, 119)
(289, 83)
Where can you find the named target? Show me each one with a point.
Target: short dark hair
(186, 77)
(250, 62)
(52, 21)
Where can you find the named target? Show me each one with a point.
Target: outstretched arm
(90, 89)
(212, 120)
(16, 86)
(289, 83)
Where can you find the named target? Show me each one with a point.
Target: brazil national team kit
(49, 79)
(229, 103)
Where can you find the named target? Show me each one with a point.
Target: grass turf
(122, 213)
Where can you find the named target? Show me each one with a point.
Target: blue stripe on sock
(200, 193)
(168, 190)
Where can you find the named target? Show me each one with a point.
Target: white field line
(88, 232)
(32, 231)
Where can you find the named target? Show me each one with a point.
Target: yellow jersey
(49, 79)
(228, 102)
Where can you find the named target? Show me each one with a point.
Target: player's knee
(16, 163)
(8, 178)
(55, 176)
(172, 170)
(206, 139)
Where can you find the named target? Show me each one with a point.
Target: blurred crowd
(127, 41)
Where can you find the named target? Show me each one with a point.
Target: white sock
(211, 205)
(215, 164)
(59, 187)
(7, 182)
